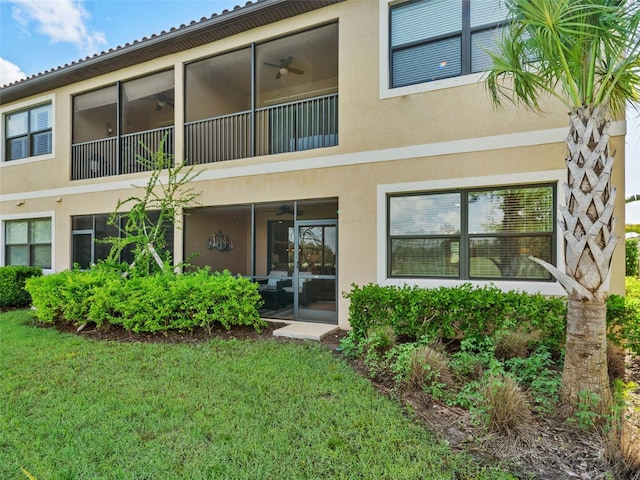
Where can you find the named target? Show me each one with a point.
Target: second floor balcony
(276, 97)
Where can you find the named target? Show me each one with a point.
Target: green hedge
(154, 303)
(12, 281)
(446, 312)
(631, 257)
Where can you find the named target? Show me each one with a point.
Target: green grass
(72, 408)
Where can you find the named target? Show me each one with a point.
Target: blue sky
(39, 35)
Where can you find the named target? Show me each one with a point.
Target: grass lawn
(73, 408)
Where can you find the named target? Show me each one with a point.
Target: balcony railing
(102, 158)
(290, 127)
(282, 128)
(297, 126)
(218, 139)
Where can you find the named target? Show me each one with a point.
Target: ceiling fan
(285, 67)
(286, 209)
(162, 100)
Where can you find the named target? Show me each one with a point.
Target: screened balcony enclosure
(274, 97)
(115, 128)
(290, 104)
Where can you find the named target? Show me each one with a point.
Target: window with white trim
(28, 133)
(435, 39)
(28, 242)
(473, 233)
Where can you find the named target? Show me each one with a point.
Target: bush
(445, 312)
(12, 281)
(631, 257)
(67, 295)
(154, 303)
(623, 319)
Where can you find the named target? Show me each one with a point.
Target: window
(436, 39)
(89, 231)
(28, 242)
(472, 234)
(28, 132)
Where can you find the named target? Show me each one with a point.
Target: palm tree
(584, 53)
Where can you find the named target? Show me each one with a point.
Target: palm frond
(584, 52)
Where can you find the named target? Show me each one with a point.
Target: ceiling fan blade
(278, 75)
(285, 62)
(271, 64)
(295, 70)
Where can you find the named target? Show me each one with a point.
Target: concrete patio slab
(305, 330)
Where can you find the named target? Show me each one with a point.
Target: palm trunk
(588, 225)
(585, 376)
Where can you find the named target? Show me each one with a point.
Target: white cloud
(9, 72)
(60, 20)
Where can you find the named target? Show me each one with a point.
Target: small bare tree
(150, 215)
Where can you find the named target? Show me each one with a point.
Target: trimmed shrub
(179, 302)
(623, 317)
(67, 295)
(446, 312)
(153, 303)
(12, 281)
(631, 257)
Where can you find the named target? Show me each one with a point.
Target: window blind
(411, 22)
(484, 12)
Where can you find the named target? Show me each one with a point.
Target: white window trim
(25, 105)
(28, 216)
(545, 288)
(385, 90)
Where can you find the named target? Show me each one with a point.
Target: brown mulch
(556, 451)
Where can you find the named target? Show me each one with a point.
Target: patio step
(305, 330)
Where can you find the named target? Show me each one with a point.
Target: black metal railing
(295, 126)
(289, 127)
(129, 153)
(218, 139)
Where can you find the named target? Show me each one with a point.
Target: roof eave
(262, 12)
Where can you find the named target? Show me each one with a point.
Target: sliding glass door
(315, 260)
(289, 248)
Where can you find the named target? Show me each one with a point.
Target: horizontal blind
(482, 43)
(41, 143)
(517, 210)
(41, 118)
(17, 231)
(18, 148)
(415, 21)
(426, 63)
(485, 12)
(435, 214)
(40, 230)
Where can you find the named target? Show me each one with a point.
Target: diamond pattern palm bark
(587, 217)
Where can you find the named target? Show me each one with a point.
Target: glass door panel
(315, 273)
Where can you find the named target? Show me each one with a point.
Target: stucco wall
(450, 135)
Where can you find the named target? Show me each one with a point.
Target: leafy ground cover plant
(485, 334)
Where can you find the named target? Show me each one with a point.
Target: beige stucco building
(339, 143)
